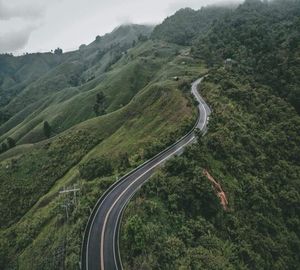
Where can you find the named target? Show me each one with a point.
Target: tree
(82, 47)
(124, 161)
(47, 129)
(11, 142)
(100, 98)
(96, 109)
(184, 86)
(74, 80)
(97, 167)
(4, 116)
(99, 106)
(142, 38)
(58, 51)
(4, 147)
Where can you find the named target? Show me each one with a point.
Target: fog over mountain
(42, 25)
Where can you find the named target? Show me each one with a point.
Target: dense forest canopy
(187, 24)
(262, 37)
(252, 148)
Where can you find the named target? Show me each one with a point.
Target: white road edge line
(195, 92)
(126, 202)
(115, 202)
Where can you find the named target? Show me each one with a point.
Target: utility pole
(66, 204)
(66, 207)
(74, 190)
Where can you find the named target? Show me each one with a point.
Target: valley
(92, 160)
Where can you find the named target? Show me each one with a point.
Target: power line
(66, 204)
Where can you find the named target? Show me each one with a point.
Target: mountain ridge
(118, 104)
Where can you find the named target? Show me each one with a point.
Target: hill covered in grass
(100, 129)
(42, 82)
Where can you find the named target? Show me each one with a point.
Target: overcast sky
(42, 25)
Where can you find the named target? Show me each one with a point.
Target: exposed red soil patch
(218, 189)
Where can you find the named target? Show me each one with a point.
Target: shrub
(47, 129)
(11, 142)
(96, 167)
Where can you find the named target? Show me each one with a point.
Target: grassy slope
(123, 81)
(75, 105)
(53, 81)
(18, 72)
(158, 110)
(66, 76)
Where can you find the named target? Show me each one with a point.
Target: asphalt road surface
(100, 249)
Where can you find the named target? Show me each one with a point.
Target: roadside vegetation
(82, 119)
(252, 148)
(178, 219)
(141, 109)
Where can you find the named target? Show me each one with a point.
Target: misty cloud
(69, 23)
(27, 11)
(13, 41)
(197, 4)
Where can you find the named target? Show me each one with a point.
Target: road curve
(100, 244)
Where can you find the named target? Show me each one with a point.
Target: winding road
(100, 244)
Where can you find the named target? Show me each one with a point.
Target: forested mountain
(82, 119)
(187, 24)
(251, 150)
(263, 38)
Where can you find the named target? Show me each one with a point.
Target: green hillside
(18, 72)
(187, 24)
(40, 93)
(82, 119)
(263, 38)
(251, 149)
(144, 110)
